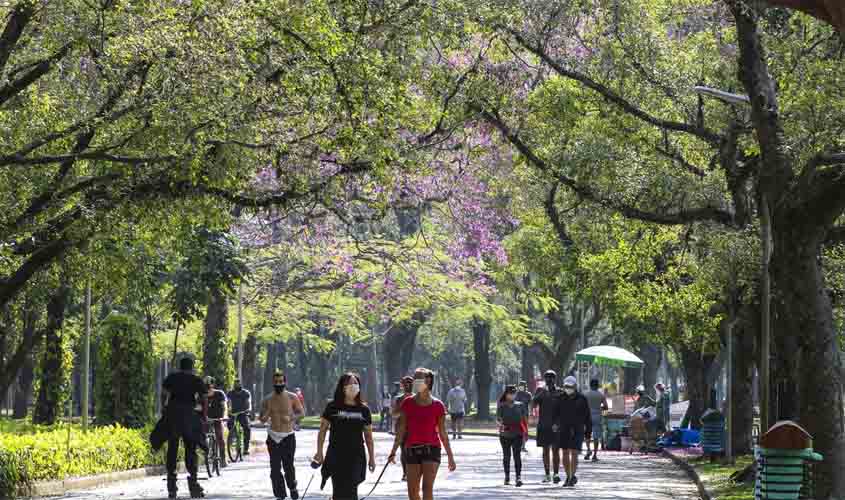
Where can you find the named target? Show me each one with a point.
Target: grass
(716, 478)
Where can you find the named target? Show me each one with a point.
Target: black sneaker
(567, 483)
(556, 479)
(573, 481)
(587, 456)
(595, 458)
(507, 482)
(518, 482)
(294, 494)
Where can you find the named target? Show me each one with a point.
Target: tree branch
(587, 192)
(610, 95)
(20, 16)
(14, 87)
(554, 217)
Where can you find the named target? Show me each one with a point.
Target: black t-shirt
(347, 425)
(548, 402)
(183, 388)
(216, 404)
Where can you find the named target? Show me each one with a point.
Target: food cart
(607, 357)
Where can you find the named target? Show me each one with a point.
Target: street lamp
(766, 231)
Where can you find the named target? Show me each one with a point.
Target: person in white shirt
(456, 400)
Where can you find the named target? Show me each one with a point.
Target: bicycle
(212, 456)
(234, 444)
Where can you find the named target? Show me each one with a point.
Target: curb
(691, 472)
(58, 488)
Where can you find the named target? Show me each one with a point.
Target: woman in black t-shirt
(350, 424)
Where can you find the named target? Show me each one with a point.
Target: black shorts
(418, 455)
(457, 416)
(571, 438)
(546, 437)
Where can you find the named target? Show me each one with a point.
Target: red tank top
(421, 422)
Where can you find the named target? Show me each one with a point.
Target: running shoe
(507, 482)
(518, 482)
(547, 479)
(567, 483)
(556, 479)
(595, 458)
(294, 494)
(573, 481)
(587, 456)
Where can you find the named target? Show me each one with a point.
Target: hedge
(44, 455)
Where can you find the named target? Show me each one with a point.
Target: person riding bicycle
(240, 404)
(216, 412)
(181, 393)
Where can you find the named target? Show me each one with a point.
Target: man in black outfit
(573, 422)
(182, 392)
(240, 404)
(547, 399)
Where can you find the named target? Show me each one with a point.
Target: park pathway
(617, 477)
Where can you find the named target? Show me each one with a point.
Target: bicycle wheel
(233, 444)
(208, 457)
(217, 457)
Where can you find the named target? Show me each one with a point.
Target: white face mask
(419, 385)
(569, 390)
(352, 390)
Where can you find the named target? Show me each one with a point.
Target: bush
(45, 455)
(124, 369)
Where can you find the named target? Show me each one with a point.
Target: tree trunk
(216, 350)
(52, 388)
(483, 378)
(742, 404)
(526, 371)
(399, 346)
(696, 367)
(469, 382)
(805, 312)
(302, 363)
(249, 369)
(651, 355)
(269, 368)
(282, 357)
(23, 391)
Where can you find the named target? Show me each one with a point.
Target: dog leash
(304, 493)
(383, 470)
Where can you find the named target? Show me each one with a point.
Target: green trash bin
(785, 459)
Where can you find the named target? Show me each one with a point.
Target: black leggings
(512, 446)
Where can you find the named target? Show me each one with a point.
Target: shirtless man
(283, 409)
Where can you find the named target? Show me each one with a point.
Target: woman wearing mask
(350, 424)
(423, 426)
(512, 417)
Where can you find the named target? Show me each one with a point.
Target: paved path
(479, 476)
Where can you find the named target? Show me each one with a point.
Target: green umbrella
(608, 355)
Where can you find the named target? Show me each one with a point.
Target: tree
(123, 373)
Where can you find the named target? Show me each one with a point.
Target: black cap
(510, 388)
(550, 373)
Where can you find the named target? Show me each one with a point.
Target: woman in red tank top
(423, 426)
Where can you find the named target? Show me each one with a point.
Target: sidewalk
(618, 476)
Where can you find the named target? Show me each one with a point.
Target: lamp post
(765, 235)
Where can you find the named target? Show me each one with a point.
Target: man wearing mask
(598, 404)
(547, 400)
(182, 391)
(216, 413)
(524, 397)
(573, 423)
(457, 399)
(282, 409)
(664, 404)
(240, 404)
